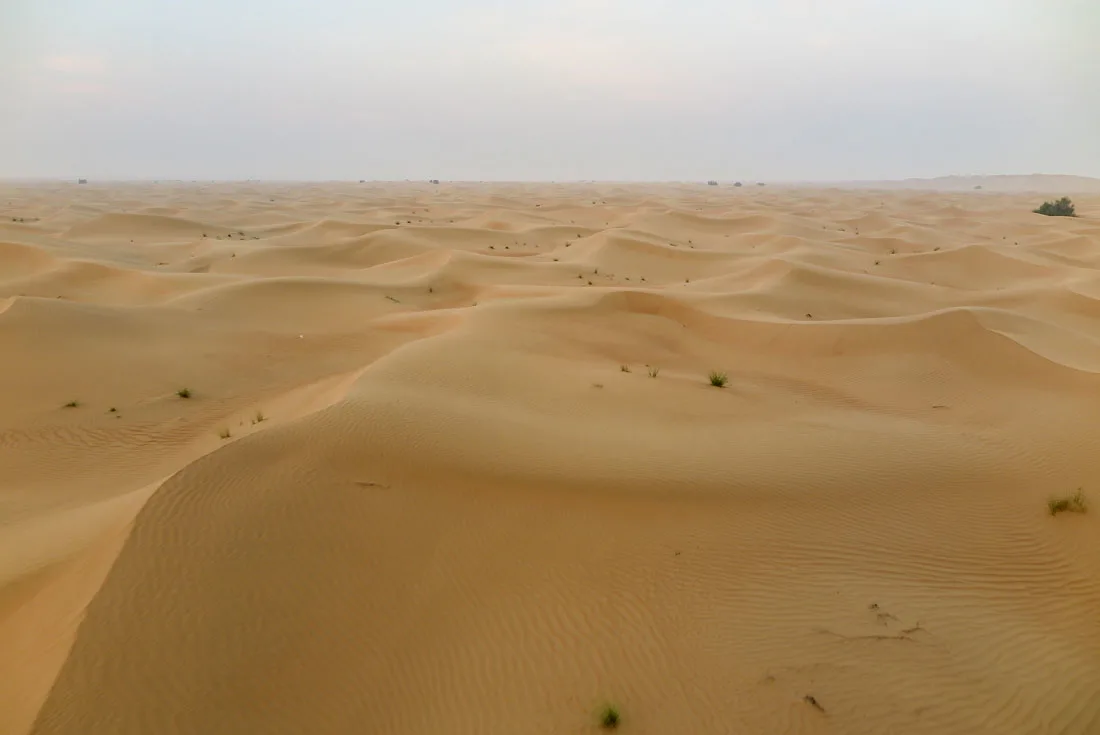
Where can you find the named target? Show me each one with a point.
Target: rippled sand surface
(355, 458)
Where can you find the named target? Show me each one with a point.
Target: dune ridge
(404, 458)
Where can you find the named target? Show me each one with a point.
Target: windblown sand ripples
(424, 481)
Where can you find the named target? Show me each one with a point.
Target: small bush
(610, 717)
(654, 372)
(184, 393)
(1075, 503)
(1060, 208)
(625, 368)
(260, 418)
(717, 379)
(224, 434)
(72, 404)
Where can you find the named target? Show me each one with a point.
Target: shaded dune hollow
(456, 458)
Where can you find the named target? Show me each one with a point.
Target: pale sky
(540, 90)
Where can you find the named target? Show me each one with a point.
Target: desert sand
(416, 459)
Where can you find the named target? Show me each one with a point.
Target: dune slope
(418, 459)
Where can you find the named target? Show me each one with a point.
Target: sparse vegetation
(624, 368)
(1075, 503)
(72, 404)
(654, 372)
(260, 418)
(112, 409)
(1060, 208)
(224, 434)
(718, 379)
(184, 393)
(610, 717)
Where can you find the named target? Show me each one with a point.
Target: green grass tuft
(184, 393)
(718, 379)
(610, 717)
(654, 372)
(1075, 503)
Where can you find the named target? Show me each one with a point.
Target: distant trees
(1061, 208)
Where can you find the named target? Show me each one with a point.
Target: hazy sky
(534, 89)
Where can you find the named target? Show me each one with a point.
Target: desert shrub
(610, 717)
(1075, 503)
(1060, 208)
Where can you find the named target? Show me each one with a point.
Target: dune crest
(414, 458)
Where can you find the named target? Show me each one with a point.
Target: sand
(449, 460)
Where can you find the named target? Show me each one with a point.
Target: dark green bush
(1060, 208)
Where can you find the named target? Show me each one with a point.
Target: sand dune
(401, 458)
(1046, 183)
